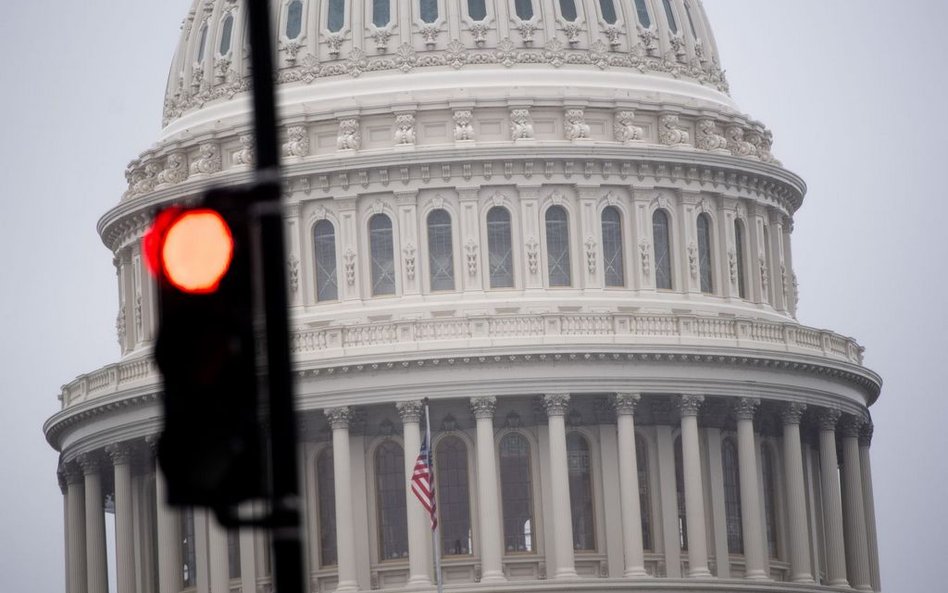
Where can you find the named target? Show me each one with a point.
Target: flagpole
(435, 533)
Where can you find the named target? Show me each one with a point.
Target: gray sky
(852, 89)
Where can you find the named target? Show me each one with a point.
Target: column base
(803, 579)
(839, 583)
(757, 575)
(636, 573)
(566, 574)
(419, 582)
(699, 573)
(347, 587)
(493, 577)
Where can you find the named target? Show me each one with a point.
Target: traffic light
(211, 449)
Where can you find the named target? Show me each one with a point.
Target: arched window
(390, 487)
(202, 44)
(382, 251)
(768, 472)
(608, 9)
(188, 549)
(557, 246)
(454, 502)
(645, 500)
(516, 491)
(336, 15)
(440, 250)
(770, 270)
(612, 263)
(739, 257)
(233, 554)
(641, 9)
(324, 242)
(499, 248)
(524, 9)
(680, 492)
(661, 236)
(294, 19)
(670, 15)
(704, 252)
(381, 12)
(477, 10)
(326, 497)
(568, 10)
(691, 20)
(732, 497)
(226, 30)
(428, 10)
(580, 491)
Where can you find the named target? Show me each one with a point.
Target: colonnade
(830, 530)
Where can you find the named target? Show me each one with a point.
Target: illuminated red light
(191, 249)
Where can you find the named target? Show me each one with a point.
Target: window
(499, 248)
(580, 491)
(732, 497)
(233, 554)
(568, 10)
(524, 9)
(661, 235)
(680, 492)
(691, 21)
(428, 10)
(770, 276)
(202, 44)
(326, 497)
(188, 550)
(557, 246)
(382, 252)
(381, 12)
(226, 30)
(670, 15)
(704, 252)
(477, 10)
(641, 9)
(768, 471)
(608, 9)
(454, 504)
(324, 241)
(612, 247)
(336, 15)
(739, 257)
(440, 250)
(516, 492)
(390, 487)
(294, 19)
(645, 500)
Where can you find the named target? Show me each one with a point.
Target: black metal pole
(287, 540)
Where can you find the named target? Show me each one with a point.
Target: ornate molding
(827, 418)
(865, 436)
(850, 426)
(484, 406)
(626, 403)
(746, 408)
(792, 413)
(556, 404)
(689, 404)
(120, 453)
(340, 418)
(410, 411)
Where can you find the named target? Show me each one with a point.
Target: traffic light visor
(192, 249)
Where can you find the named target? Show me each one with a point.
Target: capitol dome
(548, 217)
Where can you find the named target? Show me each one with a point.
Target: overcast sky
(854, 91)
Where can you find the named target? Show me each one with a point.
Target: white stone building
(548, 217)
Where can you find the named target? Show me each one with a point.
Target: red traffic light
(192, 249)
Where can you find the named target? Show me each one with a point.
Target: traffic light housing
(211, 450)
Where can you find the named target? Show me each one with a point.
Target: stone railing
(109, 379)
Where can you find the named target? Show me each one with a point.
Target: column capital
(850, 425)
(72, 472)
(625, 403)
(61, 479)
(90, 463)
(792, 413)
(152, 441)
(410, 411)
(339, 418)
(556, 404)
(827, 418)
(120, 453)
(484, 406)
(746, 408)
(689, 404)
(865, 435)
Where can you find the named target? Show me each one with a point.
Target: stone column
(832, 504)
(556, 405)
(754, 545)
(121, 454)
(218, 556)
(688, 406)
(76, 503)
(419, 531)
(96, 561)
(800, 571)
(491, 541)
(339, 419)
(865, 440)
(629, 486)
(170, 577)
(854, 519)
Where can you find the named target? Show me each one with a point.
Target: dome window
(336, 17)
(324, 241)
(608, 9)
(691, 20)
(612, 247)
(568, 10)
(202, 44)
(381, 12)
(477, 10)
(579, 467)
(390, 501)
(454, 502)
(326, 504)
(641, 9)
(557, 246)
(294, 19)
(670, 15)
(227, 30)
(739, 257)
(500, 248)
(704, 252)
(661, 237)
(382, 248)
(524, 9)
(440, 250)
(516, 490)
(428, 10)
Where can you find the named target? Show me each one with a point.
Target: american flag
(422, 481)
